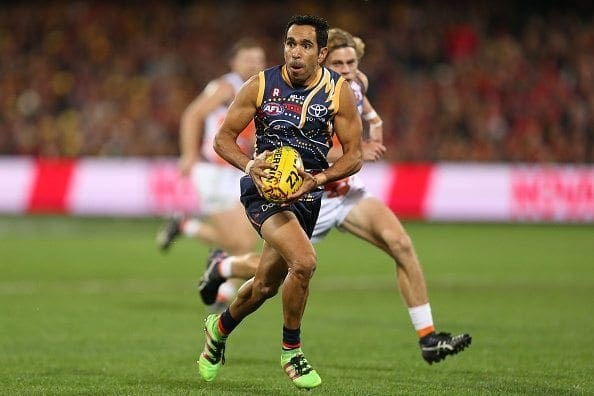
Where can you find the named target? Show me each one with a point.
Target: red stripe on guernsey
(408, 189)
(50, 186)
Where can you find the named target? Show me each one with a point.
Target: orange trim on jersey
(285, 76)
(261, 86)
(336, 98)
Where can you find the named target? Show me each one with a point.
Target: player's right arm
(216, 93)
(240, 113)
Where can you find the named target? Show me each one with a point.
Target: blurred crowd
(453, 81)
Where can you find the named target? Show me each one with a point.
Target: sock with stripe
(226, 323)
(421, 319)
(291, 338)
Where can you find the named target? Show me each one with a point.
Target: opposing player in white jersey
(348, 206)
(223, 222)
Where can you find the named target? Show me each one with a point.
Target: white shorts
(217, 186)
(336, 205)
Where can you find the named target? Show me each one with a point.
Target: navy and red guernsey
(297, 116)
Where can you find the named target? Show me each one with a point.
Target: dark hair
(320, 24)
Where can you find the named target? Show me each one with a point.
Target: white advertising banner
(469, 192)
(441, 192)
(16, 179)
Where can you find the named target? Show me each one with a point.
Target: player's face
(301, 54)
(248, 61)
(344, 61)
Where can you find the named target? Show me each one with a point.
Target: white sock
(227, 292)
(190, 227)
(225, 267)
(421, 318)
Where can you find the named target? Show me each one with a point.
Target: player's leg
(234, 233)
(284, 233)
(250, 296)
(167, 234)
(212, 356)
(287, 255)
(217, 291)
(225, 224)
(191, 227)
(270, 274)
(373, 221)
(205, 179)
(327, 219)
(235, 236)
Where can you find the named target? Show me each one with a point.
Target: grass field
(89, 306)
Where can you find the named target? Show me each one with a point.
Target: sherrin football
(285, 180)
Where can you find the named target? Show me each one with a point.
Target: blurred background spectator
(453, 80)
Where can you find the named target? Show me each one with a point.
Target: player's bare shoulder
(248, 93)
(347, 98)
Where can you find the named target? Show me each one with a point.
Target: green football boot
(299, 370)
(213, 354)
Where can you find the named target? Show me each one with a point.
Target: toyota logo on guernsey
(273, 109)
(317, 110)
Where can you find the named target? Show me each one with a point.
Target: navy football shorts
(258, 209)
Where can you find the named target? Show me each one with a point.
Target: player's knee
(400, 244)
(304, 266)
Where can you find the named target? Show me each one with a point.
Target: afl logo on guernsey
(317, 110)
(273, 109)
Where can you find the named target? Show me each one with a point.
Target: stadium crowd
(453, 81)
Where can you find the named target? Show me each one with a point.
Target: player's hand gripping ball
(285, 179)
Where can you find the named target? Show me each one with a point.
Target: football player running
(295, 104)
(348, 206)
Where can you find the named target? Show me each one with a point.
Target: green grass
(88, 306)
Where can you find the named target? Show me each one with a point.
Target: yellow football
(285, 179)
